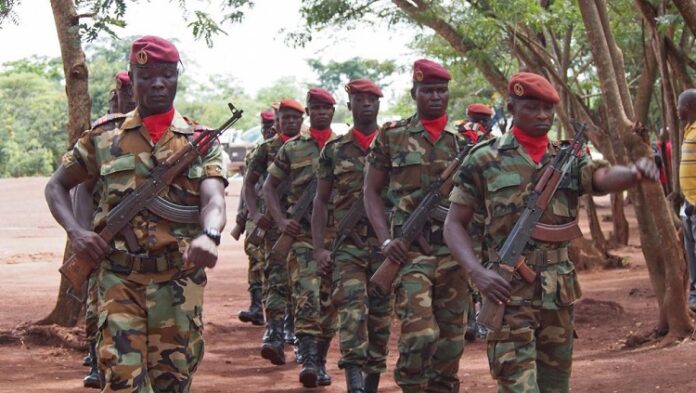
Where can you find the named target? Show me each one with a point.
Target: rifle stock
(76, 272)
(281, 248)
(385, 275)
(237, 231)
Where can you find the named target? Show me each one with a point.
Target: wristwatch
(384, 244)
(213, 234)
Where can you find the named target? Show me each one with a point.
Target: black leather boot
(354, 380)
(92, 378)
(372, 382)
(255, 312)
(309, 373)
(272, 347)
(289, 326)
(324, 377)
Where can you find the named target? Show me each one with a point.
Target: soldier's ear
(511, 107)
(348, 106)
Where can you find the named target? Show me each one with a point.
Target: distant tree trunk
(687, 8)
(595, 229)
(67, 310)
(619, 222)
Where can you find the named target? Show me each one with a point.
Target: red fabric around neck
(364, 140)
(535, 146)
(471, 134)
(321, 136)
(158, 124)
(285, 138)
(435, 127)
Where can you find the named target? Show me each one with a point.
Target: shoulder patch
(111, 117)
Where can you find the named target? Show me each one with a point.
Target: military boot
(372, 382)
(289, 326)
(354, 380)
(255, 312)
(324, 378)
(272, 347)
(92, 378)
(310, 361)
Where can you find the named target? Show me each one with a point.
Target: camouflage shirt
(263, 156)
(122, 158)
(413, 161)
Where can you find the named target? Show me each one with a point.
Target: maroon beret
(428, 71)
(122, 80)
(150, 49)
(291, 104)
(320, 95)
(529, 85)
(363, 86)
(479, 109)
(267, 116)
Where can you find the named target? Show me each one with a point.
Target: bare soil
(616, 304)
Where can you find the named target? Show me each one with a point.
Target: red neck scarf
(471, 134)
(321, 136)
(285, 138)
(158, 124)
(535, 146)
(435, 127)
(364, 140)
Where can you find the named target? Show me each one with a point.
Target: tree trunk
(595, 229)
(619, 222)
(687, 9)
(67, 310)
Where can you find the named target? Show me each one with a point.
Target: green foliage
(105, 57)
(334, 74)
(7, 11)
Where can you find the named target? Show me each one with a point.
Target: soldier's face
(431, 99)
(126, 101)
(290, 121)
(320, 115)
(365, 107)
(154, 87)
(533, 116)
(267, 130)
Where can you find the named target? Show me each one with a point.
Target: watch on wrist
(213, 234)
(384, 244)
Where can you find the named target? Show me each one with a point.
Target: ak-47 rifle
(258, 234)
(413, 227)
(282, 245)
(511, 258)
(346, 227)
(76, 270)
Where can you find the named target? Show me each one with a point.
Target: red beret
(267, 116)
(479, 109)
(320, 95)
(363, 86)
(150, 49)
(122, 80)
(529, 85)
(428, 71)
(291, 104)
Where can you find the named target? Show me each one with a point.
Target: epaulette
(394, 124)
(111, 117)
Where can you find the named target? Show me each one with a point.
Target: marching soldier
(431, 293)
(478, 127)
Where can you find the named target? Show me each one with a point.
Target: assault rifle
(413, 227)
(258, 234)
(281, 248)
(242, 214)
(511, 258)
(76, 270)
(348, 223)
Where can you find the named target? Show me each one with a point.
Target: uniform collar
(179, 124)
(414, 126)
(306, 136)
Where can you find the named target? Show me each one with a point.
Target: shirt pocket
(118, 176)
(504, 193)
(406, 172)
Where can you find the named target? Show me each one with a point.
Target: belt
(539, 257)
(125, 263)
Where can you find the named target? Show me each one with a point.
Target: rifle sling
(556, 233)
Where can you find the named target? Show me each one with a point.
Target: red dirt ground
(615, 303)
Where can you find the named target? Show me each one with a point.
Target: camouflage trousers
(91, 313)
(532, 353)
(256, 260)
(364, 319)
(432, 298)
(276, 289)
(150, 334)
(315, 314)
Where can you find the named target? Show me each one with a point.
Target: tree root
(49, 335)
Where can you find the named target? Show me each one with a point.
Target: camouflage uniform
(150, 304)
(364, 318)
(255, 253)
(276, 280)
(297, 161)
(533, 350)
(432, 295)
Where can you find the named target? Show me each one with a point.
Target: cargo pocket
(119, 177)
(405, 173)
(195, 347)
(568, 287)
(505, 193)
(506, 348)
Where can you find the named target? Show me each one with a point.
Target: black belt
(125, 263)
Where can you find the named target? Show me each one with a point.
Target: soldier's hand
(323, 258)
(88, 245)
(397, 251)
(290, 227)
(491, 285)
(263, 221)
(646, 169)
(202, 252)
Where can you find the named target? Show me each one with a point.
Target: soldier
(431, 293)
(151, 279)
(254, 314)
(364, 316)
(297, 161)
(276, 292)
(478, 127)
(532, 351)
(686, 108)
